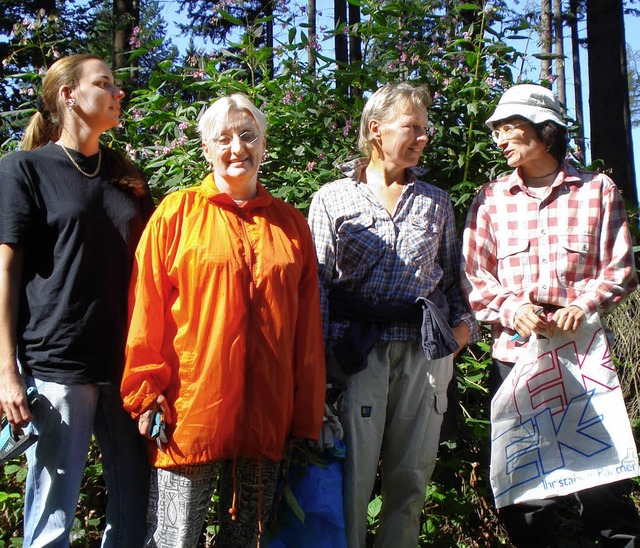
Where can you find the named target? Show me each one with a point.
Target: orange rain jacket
(225, 322)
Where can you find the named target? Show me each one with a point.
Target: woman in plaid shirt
(544, 247)
(393, 310)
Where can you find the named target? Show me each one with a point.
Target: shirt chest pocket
(421, 240)
(358, 246)
(513, 256)
(576, 251)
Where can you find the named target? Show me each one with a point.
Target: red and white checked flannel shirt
(569, 246)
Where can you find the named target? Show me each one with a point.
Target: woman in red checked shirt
(544, 247)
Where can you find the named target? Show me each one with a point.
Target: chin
(513, 163)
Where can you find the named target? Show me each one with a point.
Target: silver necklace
(88, 175)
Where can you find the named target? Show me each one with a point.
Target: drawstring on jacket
(234, 509)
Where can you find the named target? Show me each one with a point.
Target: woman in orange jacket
(225, 347)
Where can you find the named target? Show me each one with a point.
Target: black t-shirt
(78, 236)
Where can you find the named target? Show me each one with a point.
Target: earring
(71, 103)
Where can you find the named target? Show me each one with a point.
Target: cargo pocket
(439, 377)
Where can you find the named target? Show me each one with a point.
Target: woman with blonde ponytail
(71, 214)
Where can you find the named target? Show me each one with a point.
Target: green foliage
(460, 52)
(11, 502)
(89, 523)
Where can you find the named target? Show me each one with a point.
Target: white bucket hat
(534, 103)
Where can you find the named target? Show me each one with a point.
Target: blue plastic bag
(314, 517)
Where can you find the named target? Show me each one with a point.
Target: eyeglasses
(506, 130)
(246, 137)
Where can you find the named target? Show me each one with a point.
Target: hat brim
(534, 114)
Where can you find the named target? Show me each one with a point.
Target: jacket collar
(211, 192)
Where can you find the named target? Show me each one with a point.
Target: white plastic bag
(559, 422)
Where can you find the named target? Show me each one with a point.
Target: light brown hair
(46, 124)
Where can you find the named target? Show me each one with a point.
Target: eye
(223, 140)
(249, 137)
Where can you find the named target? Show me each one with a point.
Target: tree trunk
(355, 45)
(269, 32)
(609, 93)
(340, 41)
(577, 77)
(340, 16)
(126, 16)
(545, 39)
(313, 36)
(558, 35)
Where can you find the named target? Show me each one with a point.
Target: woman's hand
(146, 418)
(461, 333)
(13, 398)
(530, 319)
(567, 319)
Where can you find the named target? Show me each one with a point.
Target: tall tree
(574, 6)
(126, 17)
(341, 50)
(355, 44)
(312, 33)
(609, 93)
(545, 39)
(558, 40)
(340, 40)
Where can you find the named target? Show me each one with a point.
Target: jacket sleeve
(310, 375)
(147, 373)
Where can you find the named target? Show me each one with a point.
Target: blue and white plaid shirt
(362, 249)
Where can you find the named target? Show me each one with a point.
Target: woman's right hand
(13, 398)
(531, 319)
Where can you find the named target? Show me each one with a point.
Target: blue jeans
(64, 417)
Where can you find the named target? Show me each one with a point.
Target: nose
(421, 134)
(236, 142)
(503, 141)
(117, 93)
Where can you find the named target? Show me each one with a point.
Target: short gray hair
(214, 116)
(384, 106)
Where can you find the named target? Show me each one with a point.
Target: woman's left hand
(567, 319)
(461, 334)
(146, 418)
